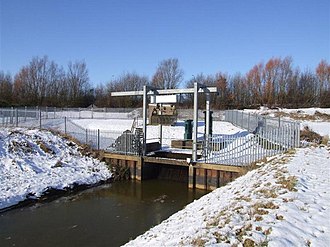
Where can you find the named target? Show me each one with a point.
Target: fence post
(98, 139)
(40, 118)
(46, 112)
(79, 116)
(279, 122)
(243, 119)
(54, 112)
(86, 136)
(11, 115)
(16, 116)
(65, 125)
(25, 113)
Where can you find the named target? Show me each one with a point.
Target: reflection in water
(106, 215)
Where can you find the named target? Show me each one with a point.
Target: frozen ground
(33, 161)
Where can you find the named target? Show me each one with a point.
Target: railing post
(86, 136)
(11, 115)
(40, 118)
(16, 116)
(65, 125)
(25, 113)
(98, 139)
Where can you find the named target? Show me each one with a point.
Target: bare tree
(6, 87)
(33, 82)
(168, 74)
(323, 76)
(128, 81)
(77, 80)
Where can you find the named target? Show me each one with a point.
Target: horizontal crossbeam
(166, 91)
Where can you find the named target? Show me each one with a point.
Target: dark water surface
(108, 215)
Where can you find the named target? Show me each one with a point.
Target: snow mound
(33, 161)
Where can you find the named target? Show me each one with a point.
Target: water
(108, 215)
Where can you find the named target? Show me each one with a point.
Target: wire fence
(264, 137)
(16, 115)
(62, 121)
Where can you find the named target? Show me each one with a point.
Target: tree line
(276, 83)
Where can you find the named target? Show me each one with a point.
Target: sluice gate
(197, 175)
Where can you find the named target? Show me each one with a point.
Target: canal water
(108, 215)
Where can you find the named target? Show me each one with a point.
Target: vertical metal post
(98, 139)
(65, 125)
(207, 132)
(16, 116)
(54, 112)
(46, 112)
(40, 118)
(25, 113)
(194, 151)
(144, 150)
(160, 126)
(12, 115)
(86, 136)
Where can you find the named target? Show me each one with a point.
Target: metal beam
(195, 126)
(145, 112)
(166, 91)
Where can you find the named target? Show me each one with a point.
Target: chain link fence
(61, 120)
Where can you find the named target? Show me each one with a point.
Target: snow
(260, 206)
(32, 161)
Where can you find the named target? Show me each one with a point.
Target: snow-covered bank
(285, 202)
(33, 161)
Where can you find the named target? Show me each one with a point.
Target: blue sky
(207, 36)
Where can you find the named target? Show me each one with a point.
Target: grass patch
(288, 182)
(307, 134)
(198, 242)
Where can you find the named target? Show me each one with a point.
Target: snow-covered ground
(285, 202)
(33, 161)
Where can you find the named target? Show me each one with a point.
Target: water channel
(107, 215)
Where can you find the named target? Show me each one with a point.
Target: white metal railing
(265, 137)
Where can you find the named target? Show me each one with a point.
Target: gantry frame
(151, 91)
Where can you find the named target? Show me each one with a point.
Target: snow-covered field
(33, 161)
